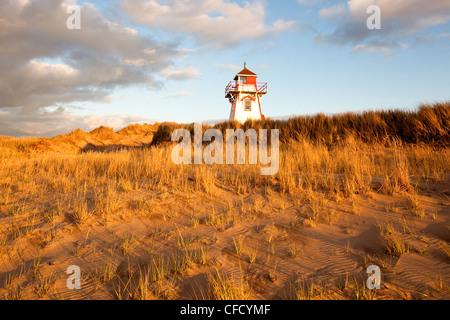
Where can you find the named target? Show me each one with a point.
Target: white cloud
(281, 25)
(308, 2)
(43, 63)
(333, 11)
(43, 70)
(216, 23)
(137, 62)
(382, 48)
(228, 67)
(400, 20)
(410, 16)
(173, 73)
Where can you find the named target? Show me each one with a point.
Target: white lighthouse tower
(244, 94)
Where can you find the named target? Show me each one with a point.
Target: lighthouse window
(248, 105)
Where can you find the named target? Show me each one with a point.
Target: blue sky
(317, 56)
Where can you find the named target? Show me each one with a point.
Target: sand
(267, 243)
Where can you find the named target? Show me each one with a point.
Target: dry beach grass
(352, 190)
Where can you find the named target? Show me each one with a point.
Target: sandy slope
(325, 254)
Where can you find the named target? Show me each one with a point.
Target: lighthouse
(244, 94)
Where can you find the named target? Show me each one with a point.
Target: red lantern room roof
(245, 72)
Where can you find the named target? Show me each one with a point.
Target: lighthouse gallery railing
(241, 86)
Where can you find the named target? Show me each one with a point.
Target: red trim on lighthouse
(248, 96)
(259, 104)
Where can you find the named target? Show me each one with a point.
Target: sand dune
(140, 227)
(102, 139)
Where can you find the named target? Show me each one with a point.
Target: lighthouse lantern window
(248, 105)
(244, 80)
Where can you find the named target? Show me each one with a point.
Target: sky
(142, 61)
